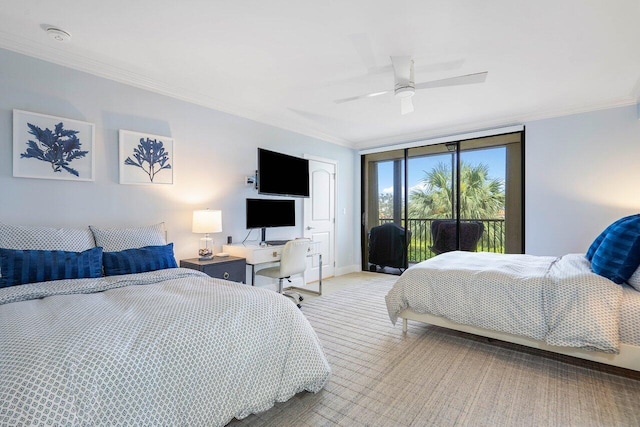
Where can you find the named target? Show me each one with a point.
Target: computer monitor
(268, 213)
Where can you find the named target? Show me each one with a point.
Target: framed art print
(145, 158)
(50, 147)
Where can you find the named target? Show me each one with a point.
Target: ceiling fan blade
(368, 95)
(455, 81)
(406, 105)
(362, 44)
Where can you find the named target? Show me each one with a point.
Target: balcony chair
(293, 260)
(388, 247)
(444, 235)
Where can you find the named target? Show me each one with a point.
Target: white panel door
(319, 216)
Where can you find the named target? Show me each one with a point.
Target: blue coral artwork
(51, 147)
(145, 158)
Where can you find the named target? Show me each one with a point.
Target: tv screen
(270, 213)
(282, 175)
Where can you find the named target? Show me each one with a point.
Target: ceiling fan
(405, 85)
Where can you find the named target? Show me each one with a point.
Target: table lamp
(205, 222)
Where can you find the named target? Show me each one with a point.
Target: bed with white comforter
(557, 301)
(168, 347)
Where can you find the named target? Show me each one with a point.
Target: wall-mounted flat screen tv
(282, 175)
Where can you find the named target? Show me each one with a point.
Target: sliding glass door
(464, 195)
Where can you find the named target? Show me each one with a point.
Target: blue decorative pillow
(18, 267)
(596, 243)
(129, 261)
(618, 255)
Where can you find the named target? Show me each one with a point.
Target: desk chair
(292, 261)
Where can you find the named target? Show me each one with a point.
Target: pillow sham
(618, 255)
(598, 241)
(139, 260)
(120, 239)
(45, 238)
(634, 280)
(19, 267)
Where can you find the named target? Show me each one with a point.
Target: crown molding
(392, 141)
(73, 60)
(121, 75)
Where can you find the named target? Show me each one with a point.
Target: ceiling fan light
(405, 92)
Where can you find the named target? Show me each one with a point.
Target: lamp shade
(207, 221)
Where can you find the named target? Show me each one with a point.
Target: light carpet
(436, 377)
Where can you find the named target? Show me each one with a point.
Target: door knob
(310, 227)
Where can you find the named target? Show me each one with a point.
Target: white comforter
(171, 347)
(557, 300)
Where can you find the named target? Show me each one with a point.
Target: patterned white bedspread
(171, 347)
(556, 300)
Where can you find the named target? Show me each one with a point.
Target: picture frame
(52, 147)
(145, 159)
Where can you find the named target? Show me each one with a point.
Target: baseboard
(341, 271)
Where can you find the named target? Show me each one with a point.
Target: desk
(256, 255)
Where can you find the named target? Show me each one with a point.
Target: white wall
(582, 173)
(213, 152)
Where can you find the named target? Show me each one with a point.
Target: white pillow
(120, 239)
(634, 280)
(45, 238)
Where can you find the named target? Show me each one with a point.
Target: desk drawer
(255, 254)
(267, 254)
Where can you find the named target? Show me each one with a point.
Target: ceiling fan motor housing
(405, 91)
(405, 86)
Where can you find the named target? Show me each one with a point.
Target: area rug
(436, 377)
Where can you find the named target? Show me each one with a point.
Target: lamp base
(205, 254)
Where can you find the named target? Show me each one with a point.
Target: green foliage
(481, 197)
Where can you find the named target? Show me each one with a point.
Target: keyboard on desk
(275, 242)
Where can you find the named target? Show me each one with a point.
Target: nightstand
(228, 268)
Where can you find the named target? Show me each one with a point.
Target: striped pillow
(618, 256)
(598, 241)
(19, 267)
(129, 261)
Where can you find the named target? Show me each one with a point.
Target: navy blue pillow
(596, 243)
(149, 258)
(618, 255)
(18, 267)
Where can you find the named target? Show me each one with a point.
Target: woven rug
(436, 377)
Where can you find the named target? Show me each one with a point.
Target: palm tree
(481, 197)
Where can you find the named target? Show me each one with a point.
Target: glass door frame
(514, 226)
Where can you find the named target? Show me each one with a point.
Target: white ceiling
(283, 62)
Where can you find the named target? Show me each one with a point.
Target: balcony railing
(492, 239)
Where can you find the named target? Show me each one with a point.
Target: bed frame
(629, 356)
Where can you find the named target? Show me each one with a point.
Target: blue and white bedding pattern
(168, 347)
(556, 300)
